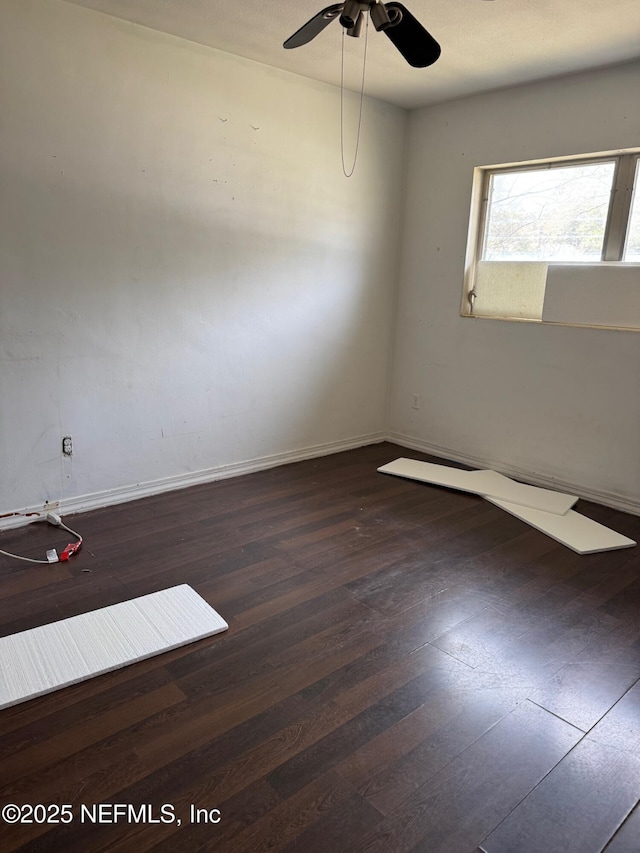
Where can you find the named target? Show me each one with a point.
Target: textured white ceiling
(485, 45)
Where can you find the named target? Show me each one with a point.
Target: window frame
(626, 172)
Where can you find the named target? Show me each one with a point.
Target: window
(547, 235)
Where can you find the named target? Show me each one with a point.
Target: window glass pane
(632, 250)
(551, 214)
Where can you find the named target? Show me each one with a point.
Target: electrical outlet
(67, 446)
(51, 506)
(416, 401)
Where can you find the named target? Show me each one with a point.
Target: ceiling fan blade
(311, 29)
(417, 46)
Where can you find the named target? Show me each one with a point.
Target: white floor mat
(52, 656)
(576, 531)
(484, 483)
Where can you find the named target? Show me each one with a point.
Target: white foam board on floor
(62, 653)
(496, 485)
(576, 531)
(484, 483)
(427, 472)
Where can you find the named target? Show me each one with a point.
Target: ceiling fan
(407, 34)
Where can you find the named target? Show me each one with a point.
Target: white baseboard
(621, 502)
(111, 497)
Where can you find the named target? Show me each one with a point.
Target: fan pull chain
(346, 173)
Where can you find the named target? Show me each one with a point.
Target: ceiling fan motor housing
(351, 13)
(382, 17)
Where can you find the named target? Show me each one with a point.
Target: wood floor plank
(31, 759)
(66, 783)
(620, 726)
(483, 637)
(626, 837)
(237, 813)
(457, 807)
(286, 647)
(68, 597)
(295, 816)
(22, 731)
(395, 764)
(366, 708)
(241, 704)
(220, 779)
(226, 766)
(327, 752)
(33, 578)
(582, 693)
(556, 638)
(339, 829)
(567, 811)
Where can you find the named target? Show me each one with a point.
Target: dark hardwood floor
(406, 669)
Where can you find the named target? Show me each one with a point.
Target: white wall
(187, 281)
(560, 405)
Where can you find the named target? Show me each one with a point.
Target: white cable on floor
(26, 559)
(54, 519)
